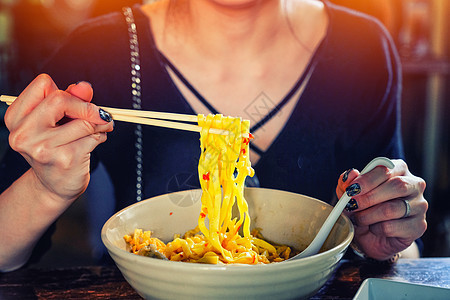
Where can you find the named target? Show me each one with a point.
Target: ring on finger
(408, 209)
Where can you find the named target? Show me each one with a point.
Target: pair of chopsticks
(152, 118)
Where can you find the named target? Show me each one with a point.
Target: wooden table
(106, 282)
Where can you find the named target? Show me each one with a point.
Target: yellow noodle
(223, 167)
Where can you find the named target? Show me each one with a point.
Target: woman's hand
(379, 212)
(55, 131)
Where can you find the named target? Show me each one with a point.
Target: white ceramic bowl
(284, 217)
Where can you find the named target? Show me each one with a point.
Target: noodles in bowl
(284, 218)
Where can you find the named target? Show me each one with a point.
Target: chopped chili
(206, 176)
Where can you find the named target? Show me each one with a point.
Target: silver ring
(408, 209)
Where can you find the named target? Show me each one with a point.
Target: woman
(320, 84)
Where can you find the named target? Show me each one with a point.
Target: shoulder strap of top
(299, 85)
(135, 71)
(180, 76)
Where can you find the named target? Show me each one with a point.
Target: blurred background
(30, 30)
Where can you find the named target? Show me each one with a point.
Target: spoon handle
(324, 231)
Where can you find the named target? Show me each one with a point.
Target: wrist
(48, 199)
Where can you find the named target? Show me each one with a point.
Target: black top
(347, 114)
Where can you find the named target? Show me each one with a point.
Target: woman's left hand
(383, 223)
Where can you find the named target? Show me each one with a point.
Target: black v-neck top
(347, 114)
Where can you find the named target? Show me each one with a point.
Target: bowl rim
(176, 265)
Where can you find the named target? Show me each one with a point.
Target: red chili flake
(254, 258)
(171, 213)
(246, 141)
(206, 244)
(251, 136)
(202, 215)
(206, 176)
(243, 151)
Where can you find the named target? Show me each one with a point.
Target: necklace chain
(136, 96)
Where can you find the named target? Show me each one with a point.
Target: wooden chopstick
(163, 123)
(150, 114)
(152, 118)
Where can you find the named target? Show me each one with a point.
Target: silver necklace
(136, 96)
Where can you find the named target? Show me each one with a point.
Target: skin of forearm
(26, 211)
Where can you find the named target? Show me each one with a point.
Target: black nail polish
(351, 205)
(104, 115)
(353, 189)
(345, 176)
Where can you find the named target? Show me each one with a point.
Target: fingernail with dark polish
(353, 189)
(351, 205)
(104, 115)
(345, 176)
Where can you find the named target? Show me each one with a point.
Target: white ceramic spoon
(320, 238)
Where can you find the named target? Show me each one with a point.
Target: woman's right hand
(55, 131)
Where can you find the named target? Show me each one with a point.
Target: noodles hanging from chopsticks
(223, 167)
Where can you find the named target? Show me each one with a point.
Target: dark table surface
(106, 282)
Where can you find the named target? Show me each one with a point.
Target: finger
(77, 129)
(61, 104)
(370, 180)
(82, 90)
(408, 229)
(389, 210)
(380, 174)
(32, 96)
(344, 180)
(396, 187)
